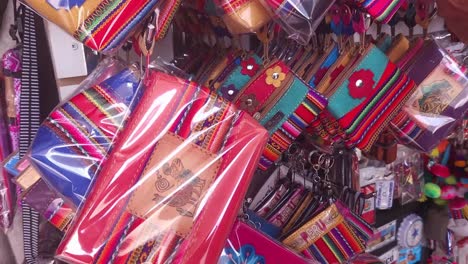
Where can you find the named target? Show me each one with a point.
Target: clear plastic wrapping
(174, 182)
(76, 137)
(440, 101)
(45, 199)
(105, 25)
(299, 18)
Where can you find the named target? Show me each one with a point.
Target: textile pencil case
(104, 25)
(181, 167)
(380, 10)
(367, 96)
(76, 137)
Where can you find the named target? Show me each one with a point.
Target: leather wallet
(76, 137)
(182, 166)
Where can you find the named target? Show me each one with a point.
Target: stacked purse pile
(246, 147)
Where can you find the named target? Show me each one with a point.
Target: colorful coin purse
(76, 137)
(283, 104)
(440, 100)
(327, 238)
(182, 166)
(380, 10)
(104, 25)
(247, 245)
(367, 96)
(243, 16)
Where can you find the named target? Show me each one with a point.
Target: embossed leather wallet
(182, 166)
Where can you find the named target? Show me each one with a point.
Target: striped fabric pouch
(327, 238)
(367, 96)
(76, 137)
(380, 10)
(181, 166)
(104, 25)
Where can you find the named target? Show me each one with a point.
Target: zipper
(273, 100)
(348, 71)
(312, 71)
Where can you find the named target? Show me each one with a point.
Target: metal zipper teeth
(318, 63)
(347, 72)
(271, 102)
(311, 59)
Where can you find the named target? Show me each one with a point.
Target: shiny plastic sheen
(180, 168)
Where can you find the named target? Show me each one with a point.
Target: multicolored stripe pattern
(364, 118)
(381, 10)
(300, 119)
(113, 21)
(337, 246)
(77, 136)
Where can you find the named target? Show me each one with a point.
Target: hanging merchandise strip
(29, 123)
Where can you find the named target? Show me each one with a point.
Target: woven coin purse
(282, 103)
(105, 25)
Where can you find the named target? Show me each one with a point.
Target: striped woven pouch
(76, 137)
(327, 238)
(104, 25)
(367, 96)
(380, 10)
(182, 166)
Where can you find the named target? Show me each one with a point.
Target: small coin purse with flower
(236, 74)
(367, 96)
(283, 104)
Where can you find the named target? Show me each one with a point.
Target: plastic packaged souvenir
(104, 25)
(12, 70)
(76, 137)
(299, 18)
(243, 16)
(440, 100)
(180, 168)
(35, 191)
